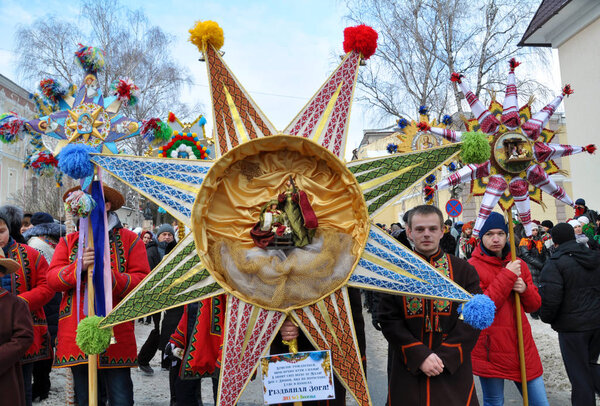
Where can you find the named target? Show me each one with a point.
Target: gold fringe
(543, 205)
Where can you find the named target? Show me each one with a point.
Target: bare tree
(421, 42)
(133, 48)
(43, 195)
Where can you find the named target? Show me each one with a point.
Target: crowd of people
(433, 355)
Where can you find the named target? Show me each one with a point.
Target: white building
(573, 28)
(13, 177)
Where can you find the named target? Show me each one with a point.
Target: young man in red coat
(496, 357)
(430, 347)
(129, 265)
(29, 284)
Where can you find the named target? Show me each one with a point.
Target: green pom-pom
(163, 133)
(90, 338)
(475, 148)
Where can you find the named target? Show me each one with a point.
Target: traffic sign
(454, 208)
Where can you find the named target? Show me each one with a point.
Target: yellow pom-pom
(207, 32)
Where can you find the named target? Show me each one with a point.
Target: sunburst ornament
(221, 201)
(521, 154)
(85, 117)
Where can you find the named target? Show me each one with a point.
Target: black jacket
(570, 288)
(534, 259)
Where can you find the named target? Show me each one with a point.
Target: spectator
(26, 223)
(402, 237)
(534, 253)
(44, 236)
(495, 357)
(581, 238)
(16, 337)
(545, 229)
(586, 227)
(448, 242)
(467, 242)
(582, 210)
(429, 346)
(570, 287)
(35, 291)
(155, 252)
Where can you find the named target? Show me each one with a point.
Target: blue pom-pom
(161, 210)
(423, 110)
(430, 179)
(74, 160)
(402, 123)
(202, 121)
(447, 120)
(452, 167)
(479, 312)
(392, 148)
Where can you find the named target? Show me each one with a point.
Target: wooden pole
(293, 347)
(513, 256)
(92, 358)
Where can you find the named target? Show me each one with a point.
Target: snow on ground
(154, 390)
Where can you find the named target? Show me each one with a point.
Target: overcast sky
(281, 50)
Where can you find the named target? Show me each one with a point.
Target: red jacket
(496, 354)
(201, 338)
(29, 283)
(129, 265)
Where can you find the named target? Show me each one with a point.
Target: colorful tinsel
(126, 91)
(207, 32)
(11, 128)
(91, 59)
(362, 39)
(155, 131)
(392, 148)
(41, 162)
(79, 203)
(53, 89)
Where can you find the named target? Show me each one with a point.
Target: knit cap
(562, 233)
(494, 221)
(165, 228)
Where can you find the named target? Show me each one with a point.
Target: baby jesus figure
(287, 221)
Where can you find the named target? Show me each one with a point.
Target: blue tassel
(423, 110)
(392, 148)
(447, 120)
(430, 179)
(479, 312)
(74, 160)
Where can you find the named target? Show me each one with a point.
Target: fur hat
(562, 233)
(547, 223)
(110, 195)
(41, 218)
(7, 265)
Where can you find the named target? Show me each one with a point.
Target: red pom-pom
(513, 64)
(456, 77)
(590, 148)
(171, 117)
(429, 191)
(361, 38)
(567, 90)
(423, 126)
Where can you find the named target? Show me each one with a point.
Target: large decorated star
(86, 117)
(521, 155)
(221, 201)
